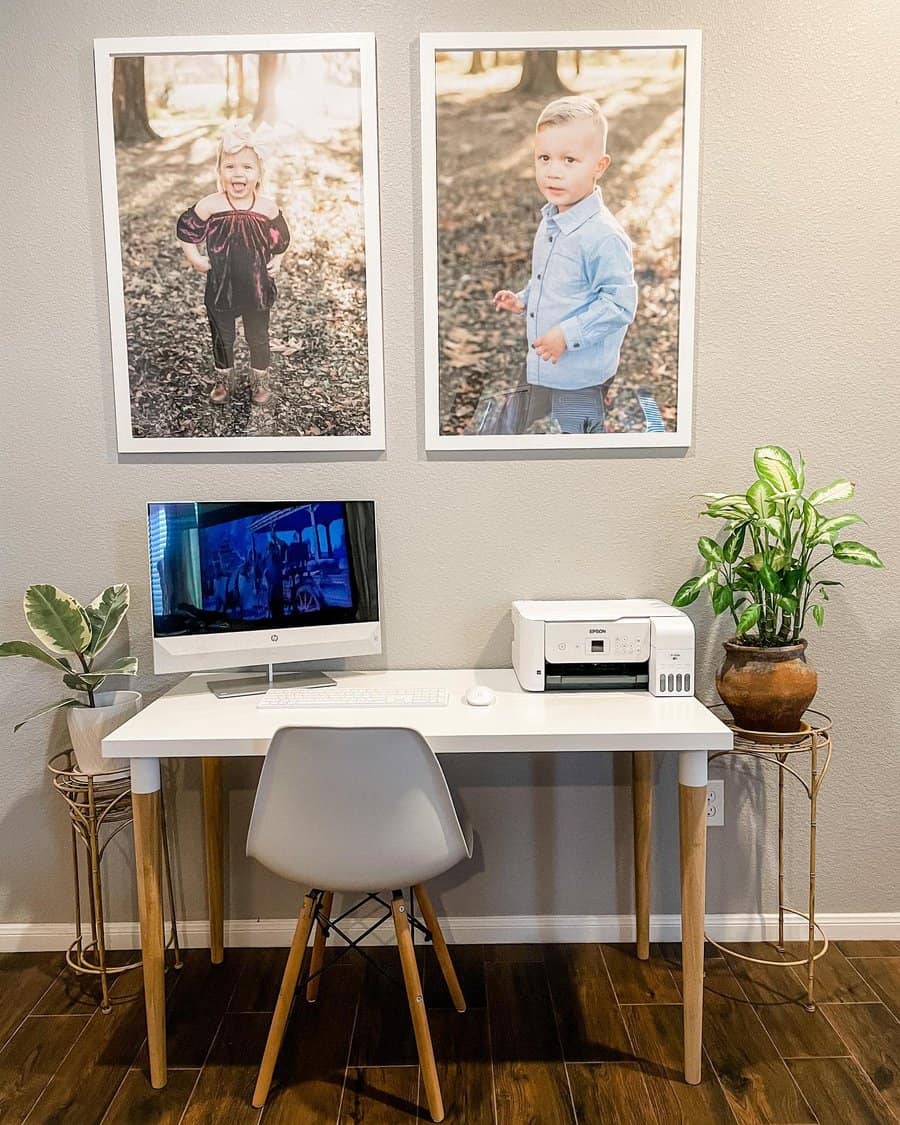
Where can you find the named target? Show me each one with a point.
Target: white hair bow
(241, 135)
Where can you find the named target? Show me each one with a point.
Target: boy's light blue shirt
(582, 279)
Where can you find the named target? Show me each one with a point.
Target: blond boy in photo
(581, 296)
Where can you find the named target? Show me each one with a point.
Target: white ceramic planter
(88, 725)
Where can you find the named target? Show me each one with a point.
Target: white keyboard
(347, 696)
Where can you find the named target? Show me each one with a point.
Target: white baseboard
(502, 929)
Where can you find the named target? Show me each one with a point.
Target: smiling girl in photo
(246, 237)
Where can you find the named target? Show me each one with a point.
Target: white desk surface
(189, 721)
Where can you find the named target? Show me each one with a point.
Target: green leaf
(837, 490)
(801, 472)
(707, 579)
(56, 619)
(710, 549)
(856, 553)
(755, 562)
(124, 666)
(686, 593)
(769, 578)
(827, 531)
(734, 543)
(791, 579)
(82, 683)
(775, 524)
(789, 605)
(780, 560)
(810, 520)
(105, 613)
(46, 710)
(722, 599)
(26, 648)
(774, 465)
(734, 502)
(758, 497)
(818, 612)
(749, 618)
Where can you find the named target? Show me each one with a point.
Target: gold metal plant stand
(781, 750)
(99, 808)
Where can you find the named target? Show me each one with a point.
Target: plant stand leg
(79, 945)
(96, 891)
(811, 933)
(780, 946)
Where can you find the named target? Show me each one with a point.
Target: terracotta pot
(766, 689)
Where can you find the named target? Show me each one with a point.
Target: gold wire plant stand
(99, 809)
(781, 750)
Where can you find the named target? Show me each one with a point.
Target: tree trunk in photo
(578, 62)
(240, 86)
(266, 110)
(476, 66)
(540, 74)
(131, 124)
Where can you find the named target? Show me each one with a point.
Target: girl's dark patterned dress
(240, 245)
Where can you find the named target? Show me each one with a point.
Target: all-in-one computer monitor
(241, 584)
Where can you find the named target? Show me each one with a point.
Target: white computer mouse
(480, 696)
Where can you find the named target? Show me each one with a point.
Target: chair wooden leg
(285, 998)
(440, 947)
(317, 958)
(417, 1007)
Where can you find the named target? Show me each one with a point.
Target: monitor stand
(260, 684)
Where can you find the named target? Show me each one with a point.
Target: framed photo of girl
(559, 208)
(240, 207)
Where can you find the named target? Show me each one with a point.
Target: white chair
(356, 810)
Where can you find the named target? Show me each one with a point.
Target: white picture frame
(310, 67)
(445, 101)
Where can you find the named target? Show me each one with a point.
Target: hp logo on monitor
(274, 637)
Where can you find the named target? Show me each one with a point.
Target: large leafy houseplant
(776, 538)
(72, 637)
(766, 572)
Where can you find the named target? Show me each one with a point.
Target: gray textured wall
(796, 344)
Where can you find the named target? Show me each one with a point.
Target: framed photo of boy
(240, 208)
(559, 210)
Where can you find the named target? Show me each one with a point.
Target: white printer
(640, 644)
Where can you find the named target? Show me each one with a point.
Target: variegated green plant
(765, 572)
(73, 637)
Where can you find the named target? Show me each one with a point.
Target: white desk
(189, 722)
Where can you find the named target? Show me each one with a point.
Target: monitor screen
(224, 569)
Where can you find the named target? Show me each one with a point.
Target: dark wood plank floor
(556, 1033)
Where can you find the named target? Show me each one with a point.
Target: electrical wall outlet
(715, 803)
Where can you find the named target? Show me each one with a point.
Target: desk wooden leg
(642, 807)
(214, 846)
(692, 829)
(148, 869)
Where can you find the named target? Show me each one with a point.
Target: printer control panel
(597, 642)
